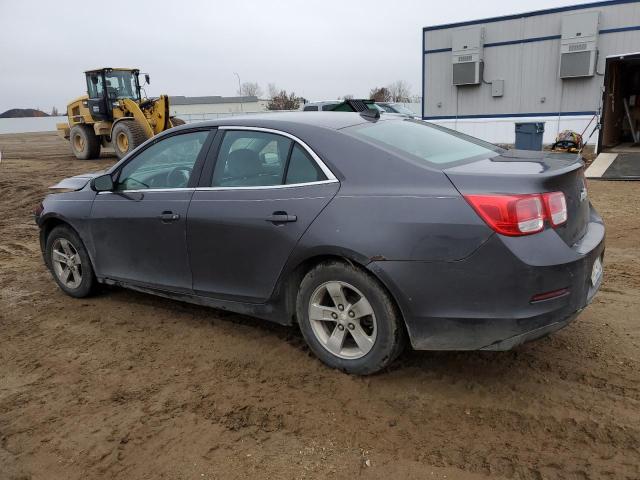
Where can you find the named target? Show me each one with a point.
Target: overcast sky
(321, 49)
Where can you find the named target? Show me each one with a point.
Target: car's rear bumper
(511, 342)
(485, 301)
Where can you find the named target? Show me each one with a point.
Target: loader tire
(85, 144)
(126, 136)
(175, 121)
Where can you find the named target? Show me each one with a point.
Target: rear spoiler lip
(575, 164)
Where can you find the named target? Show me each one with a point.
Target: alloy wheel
(67, 264)
(342, 320)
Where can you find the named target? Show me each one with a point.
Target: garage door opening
(619, 139)
(621, 105)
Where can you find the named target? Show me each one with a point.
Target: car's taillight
(529, 214)
(510, 214)
(517, 215)
(556, 206)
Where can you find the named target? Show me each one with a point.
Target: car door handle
(281, 217)
(168, 217)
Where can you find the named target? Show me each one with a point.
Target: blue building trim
(516, 16)
(537, 39)
(621, 29)
(435, 50)
(510, 115)
(524, 40)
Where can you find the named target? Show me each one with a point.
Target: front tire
(348, 319)
(69, 262)
(85, 144)
(126, 136)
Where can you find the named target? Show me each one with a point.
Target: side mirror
(103, 183)
(147, 78)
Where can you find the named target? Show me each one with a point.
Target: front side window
(261, 159)
(426, 142)
(121, 84)
(165, 164)
(94, 85)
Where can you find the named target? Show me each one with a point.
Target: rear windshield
(425, 141)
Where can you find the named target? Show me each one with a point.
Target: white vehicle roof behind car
(319, 106)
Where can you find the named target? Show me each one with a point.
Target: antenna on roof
(370, 114)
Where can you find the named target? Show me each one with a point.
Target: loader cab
(108, 85)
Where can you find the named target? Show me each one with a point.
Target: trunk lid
(522, 172)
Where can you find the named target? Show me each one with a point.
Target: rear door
(262, 192)
(139, 229)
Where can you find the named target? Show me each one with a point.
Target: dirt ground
(129, 386)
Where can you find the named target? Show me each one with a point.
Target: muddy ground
(128, 386)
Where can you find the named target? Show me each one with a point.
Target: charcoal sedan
(364, 231)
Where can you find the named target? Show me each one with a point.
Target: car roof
(112, 68)
(323, 102)
(283, 120)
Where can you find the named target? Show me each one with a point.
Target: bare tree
(348, 96)
(250, 89)
(284, 101)
(400, 91)
(272, 90)
(54, 112)
(381, 94)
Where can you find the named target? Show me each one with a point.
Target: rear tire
(126, 136)
(348, 319)
(85, 144)
(69, 262)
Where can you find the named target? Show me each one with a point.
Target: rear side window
(328, 107)
(302, 168)
(250, 159)
(260, 159)
(427, 142)
(311, 109)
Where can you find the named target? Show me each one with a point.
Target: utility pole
(239, 91)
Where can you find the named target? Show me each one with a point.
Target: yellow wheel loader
(114, 113)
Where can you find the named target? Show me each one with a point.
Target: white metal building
(201, 108)
(561, 66)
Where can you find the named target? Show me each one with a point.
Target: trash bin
(529, 136)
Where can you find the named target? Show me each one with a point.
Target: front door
(265, 191)
(97, 101)
(138, 230)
